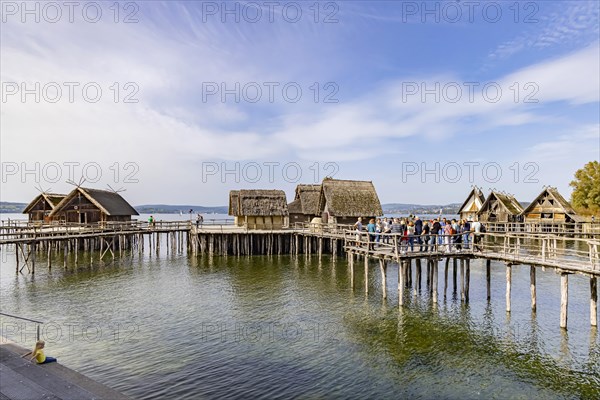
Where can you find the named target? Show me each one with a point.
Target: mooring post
(564, 299)
(488, 278)
(593, 301)
(383, 277)
(532, 288)
(508, 282)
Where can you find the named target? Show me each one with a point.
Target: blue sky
(374, 59)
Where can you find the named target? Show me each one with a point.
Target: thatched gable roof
(262, 203)
(110, 203)
(475, 193)
(508, 202)
(346, 198)
(234, 203)
(295, 207)
(308, 199)
(560, 202)
(51, 198)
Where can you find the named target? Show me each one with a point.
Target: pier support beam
(564, 299)
(508, 283)
(351, 256)
(366, 273)
(383, 277)
(532, 287)
(434, 284)
(467, 279)
(401, 272)
(462, 280)
(594, 301)
(488, 278)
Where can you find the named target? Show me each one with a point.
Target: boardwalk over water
(566, 252)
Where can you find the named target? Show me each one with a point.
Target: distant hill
(400, 208)
(175, 209)
(13, 208)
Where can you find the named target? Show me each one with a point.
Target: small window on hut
(547, 215)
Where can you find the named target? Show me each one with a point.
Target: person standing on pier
(371, 228)
(466, 232)
(435, 231)
(418, 231)
(359, 227)
(476, 229)
(410, 230)
(425, 237)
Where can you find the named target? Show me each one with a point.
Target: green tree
(586, 188)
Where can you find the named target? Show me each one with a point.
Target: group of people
(427, 235)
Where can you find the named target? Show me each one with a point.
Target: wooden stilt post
(366, 273)
(467, 279)
(446, 265)
(434, 283)
(532, 288)
(594, 301)
(564, 299)
(17, 245)
(488, 264)
(49, 256)
(383, 277)
(508, 282)
(462, 280)
(401, 272)
(454, 265)
(351, 256)
(417, 277)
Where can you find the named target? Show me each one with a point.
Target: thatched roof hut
(472, 205)
(258, 209)
(342, 201)
(551, 206)
(86, 205)
(40, 208)
(500, 207)
(306, 203)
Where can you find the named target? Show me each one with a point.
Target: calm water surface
(173, 326)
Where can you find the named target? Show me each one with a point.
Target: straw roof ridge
(508, 201)
(349, 198)
(262, 202)
(111, 203)
(309, 199)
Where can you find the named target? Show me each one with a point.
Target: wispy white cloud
(573, 23)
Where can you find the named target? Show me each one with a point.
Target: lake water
(184, 327)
